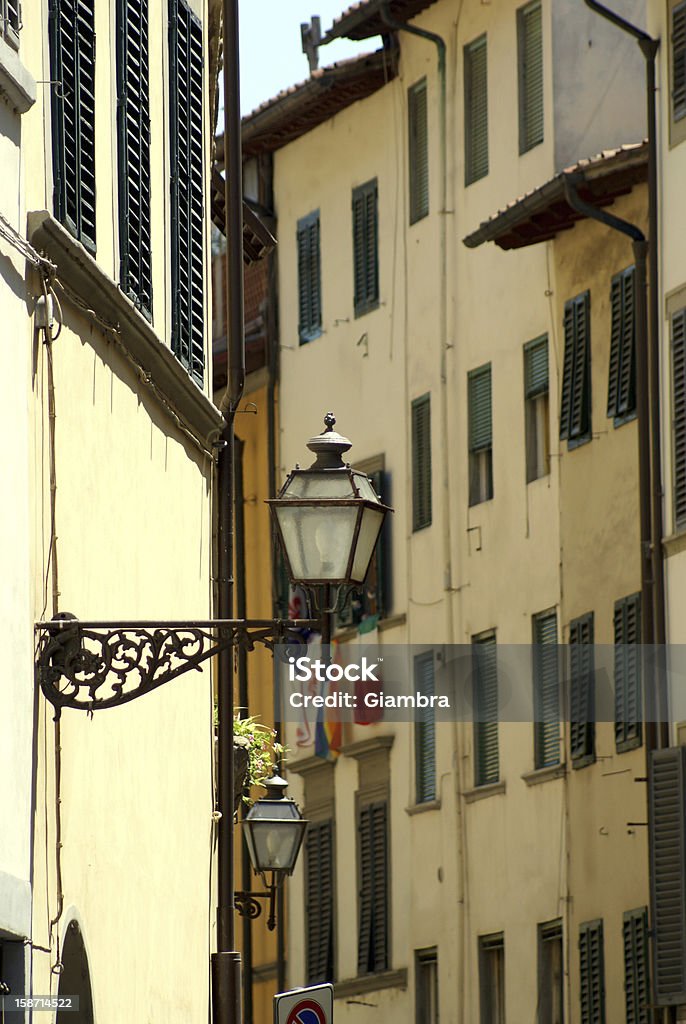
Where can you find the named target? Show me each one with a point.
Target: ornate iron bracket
(94, 665)
(247, 905)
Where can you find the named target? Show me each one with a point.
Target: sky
(271, 55)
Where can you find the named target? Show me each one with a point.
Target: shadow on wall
(75, 978)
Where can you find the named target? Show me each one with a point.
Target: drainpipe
(226, 962)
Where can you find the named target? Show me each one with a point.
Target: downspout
(226, 962)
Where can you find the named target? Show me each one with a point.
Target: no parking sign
(305, 1006)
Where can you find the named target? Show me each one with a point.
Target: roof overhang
(258, 240)
(363, 20)
(541, 214)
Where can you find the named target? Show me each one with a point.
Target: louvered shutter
(530, 39)
(567, 371)
(536, 368)
(309, 279)
(421, 463)
(667, 841)
(480, 415)
(373, 904)
(486, 757)
(133, 134)
(679, 415)
(636, 987)
(575, 408)
(627, 664)
(678, 39)
(319, 905)
(72, 68)
(546, 691)
(592, 973)
(621, 396)
(418, 136)
(365, 247)
(581, 691)
(476, 110)
(425, 730)
(13, 21)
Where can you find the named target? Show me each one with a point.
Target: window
(372, 600)
(475, 110)
(426, 974)
(679, 415)
(425, 731)
(133, 135)
(575, 409)
(550, 974)
(372, 951)
(537, 415)
(480, 435)
(10, 21)
(582, 691)
(592, 973)
(677, 34)
(365, 246)
(187, 205)
(309, 278)
(72, 70)
(319, 902)
(627, 622)
(530, 54)
(418, 134)
(421, 462)
(621, 392)
(636, 986)
(485, 703)
(492, 979)
(546, 691)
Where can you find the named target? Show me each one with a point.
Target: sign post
(305, 1006)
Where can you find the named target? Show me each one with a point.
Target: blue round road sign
(306, 1012)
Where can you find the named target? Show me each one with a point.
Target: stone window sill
(538, 775)
(428, 805)
(481, 792)
(370, 983)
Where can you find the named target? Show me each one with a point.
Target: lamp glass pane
(366, 488)
(317, 540)
(372, 521)
(276, 843)
(320, 485)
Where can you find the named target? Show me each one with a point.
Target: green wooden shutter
(678, 39)
(582, 691)
(309, 278)
(485, 701)
(627, 664)
(575, 408)
(365, 247)
(546, 691)
(476, 110)
(636, 985)
(187, 214)
(567, 371)
(480, 414)
(133, 136)
(373, 903)
(592, 973)
(421, 462)
(530, 47)
(72, 71)
(319, 902)
(667, 843)
(418, 136)
(621, 393)
(679, 415)
(425, 730)
(536, 367)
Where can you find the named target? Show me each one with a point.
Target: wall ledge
(17, 85)
(481, 792)
(370, 983)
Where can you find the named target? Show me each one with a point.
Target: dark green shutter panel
(133, 134)
(530, 38)
(382, 553)
(679, 414)
(13, 14)
(581, 690)
(476, 110)
(667, 814)
(365, 247)
(546, 691)
(309, 279)
(319, 902)
(567, 371)
(575, 409)
(373, 907)
(679, 62)
(187, 205)
(72, 64)
(592, 973)
(536, 368)
(421, 463)
(480, 416)
(425, 730)
(486, 756)
(636, 986)
(418, 134)
(615, 345)
(621, 395)
(627, 664)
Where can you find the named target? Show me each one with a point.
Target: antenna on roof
(311, 36)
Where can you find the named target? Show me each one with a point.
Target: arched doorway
(75, 979)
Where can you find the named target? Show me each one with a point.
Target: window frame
(318, 913)
(486, 733)
(526, 144)
(677, 116)
(418, 150)
(356, 607)
(426, 986)
(636, 965)
(481, 483)
(365, 247)
(594, 991)
(582, 625)
(313, 276)
(491, 953)
(425, 730)
(536, 411)
(473, 169)
(577, 354)
(422, 476)
(10, 22)
(551, 990)
(677, 344)
(622, 407)
(542, 698)
(628, 732)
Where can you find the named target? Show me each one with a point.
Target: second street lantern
(329, 516)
